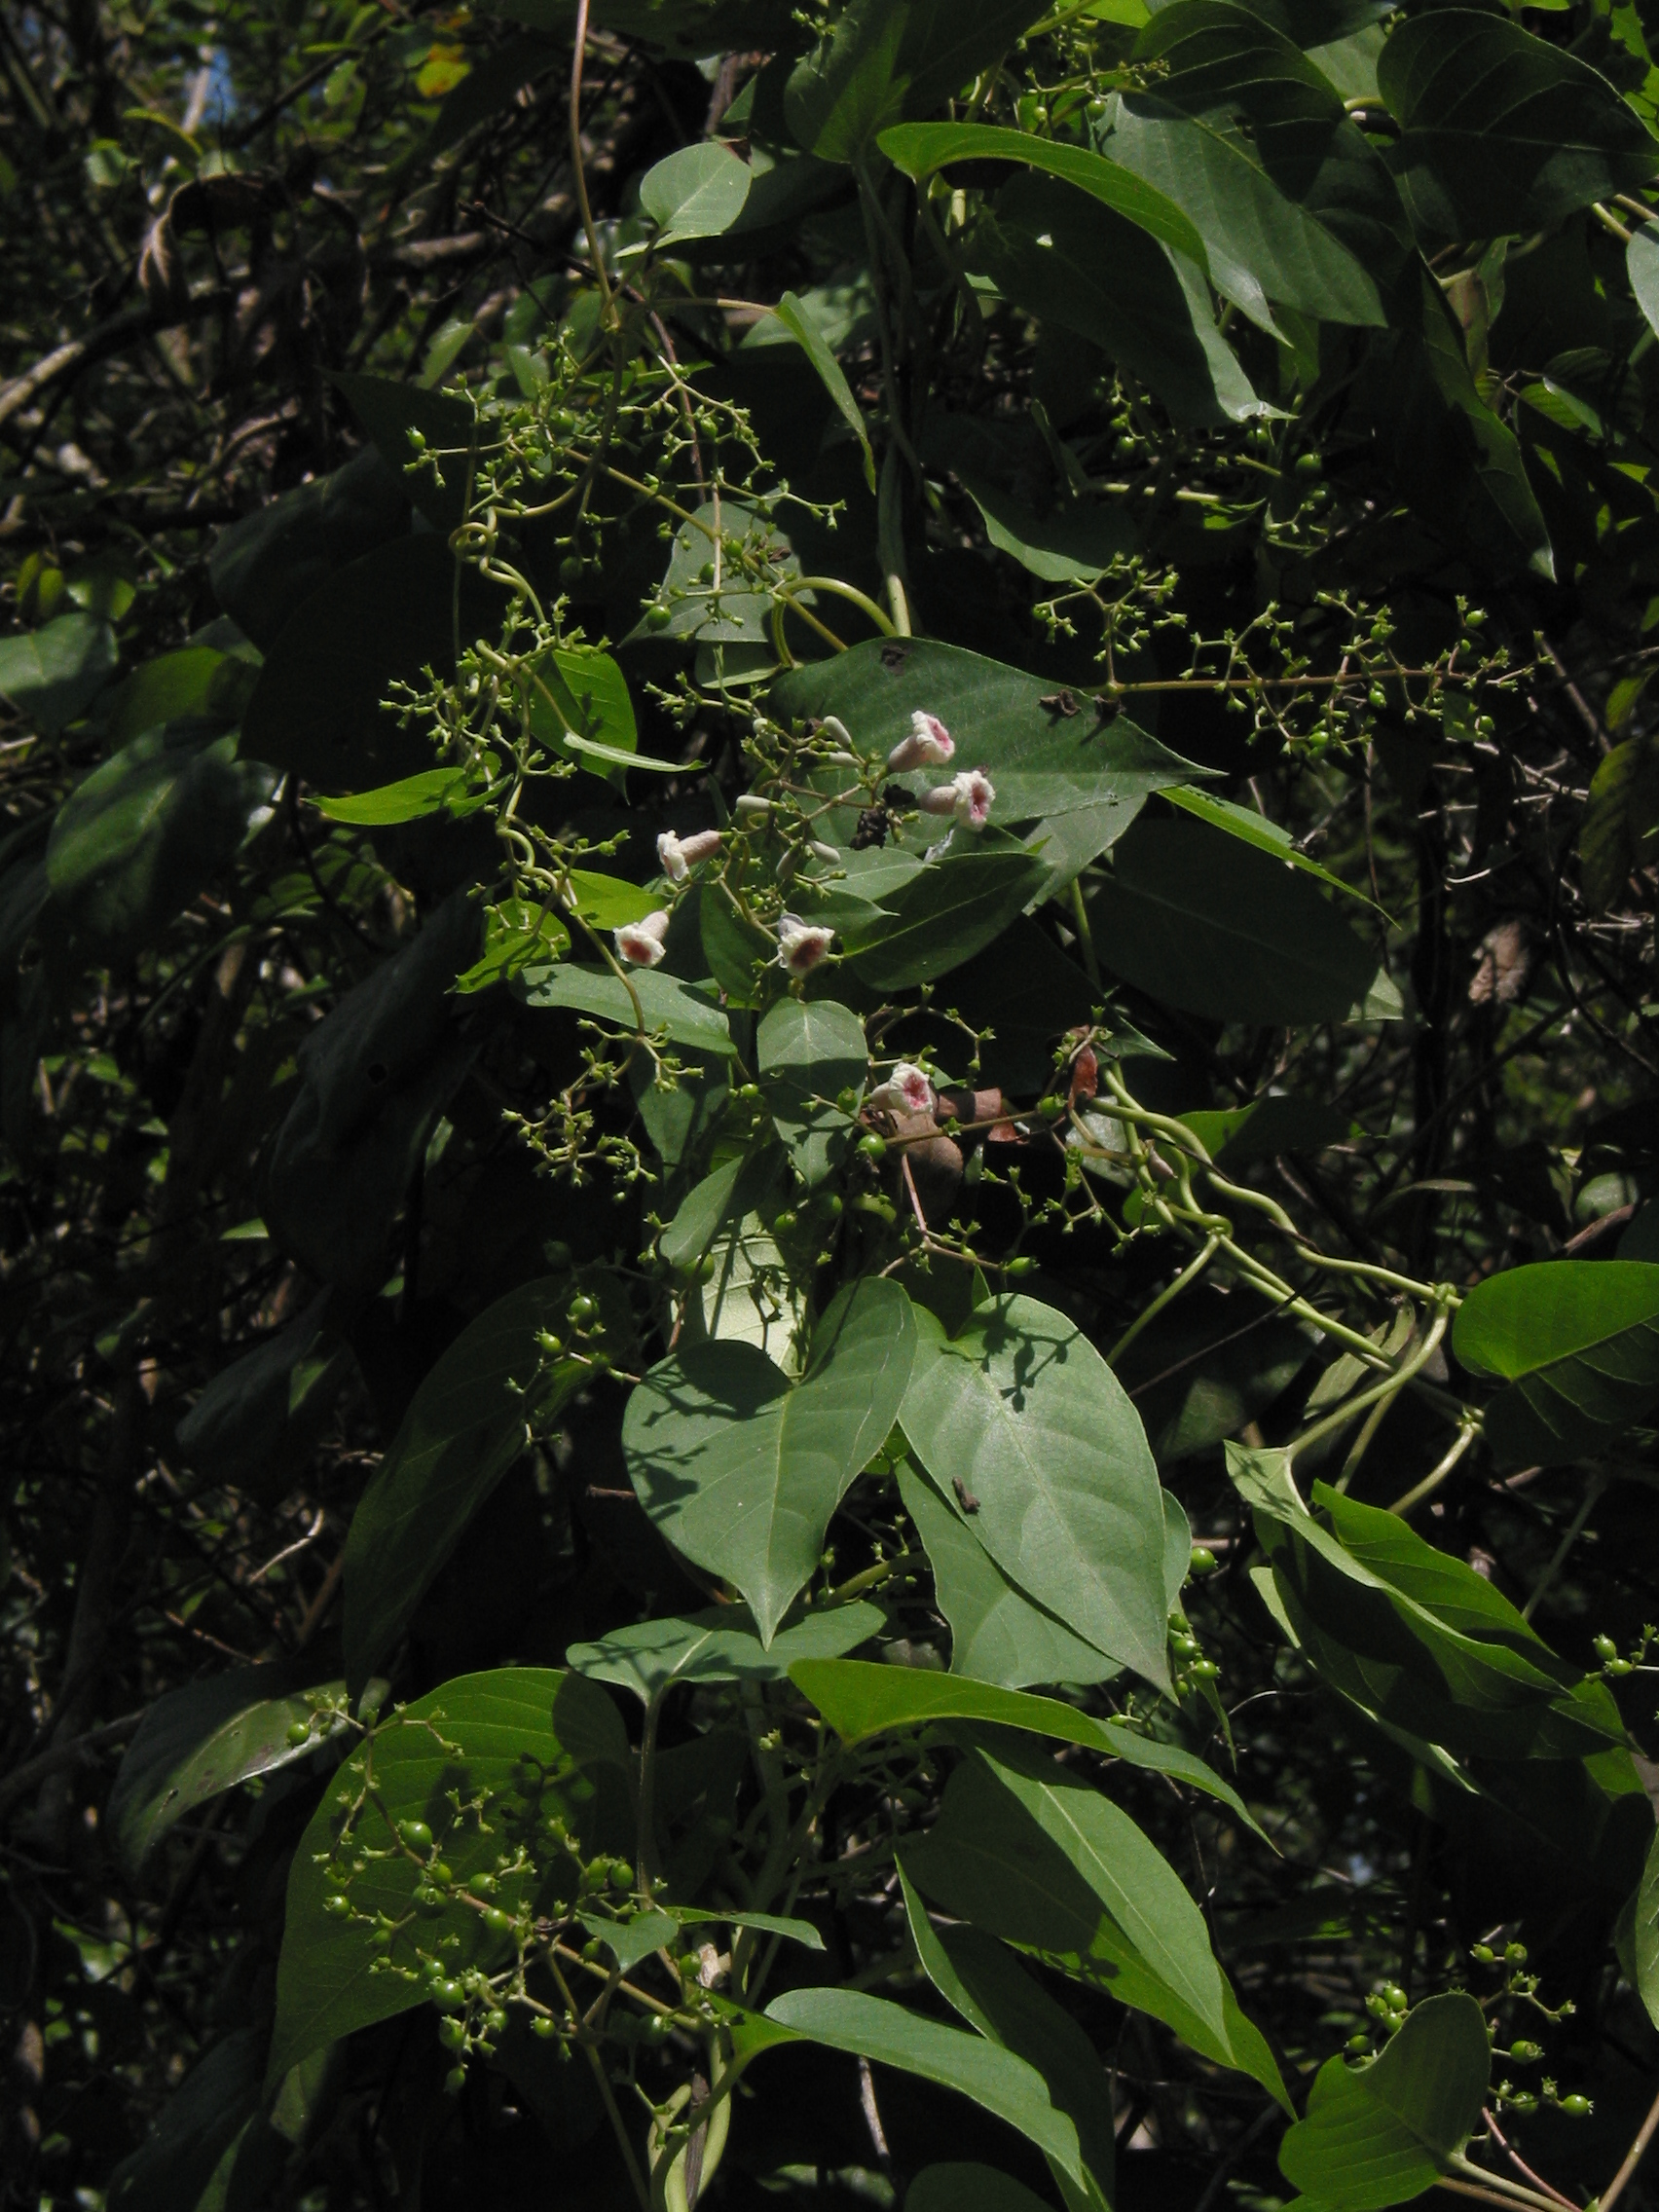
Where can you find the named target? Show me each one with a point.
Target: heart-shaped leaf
(741, 1469)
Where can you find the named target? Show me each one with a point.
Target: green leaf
(995, 2079)
(1068, 545)
(696, 193)
(1253, 829)
(997, 1634)
(1238, 1135)
(719, 1646)
(195, 1741)
(373, 1076)
(808, 1053)
(199, 2125)
(1413, 1635)
(983, 1981)
(860, 1698)
(1381, 2132)
(266, 565)
(608, 902)
(597, 690)
(435, 791)
(467, 1422)
(390, 410)
(1459, 467)
(921, 148)
(136, 840)
(631, 1941)
(741, 1469)
(685, 1013)
(1262, 246)
(260, 1419)
(1620, 819)
(1501, 131)
(1641, 266)
(318, 708)
(1068, 258)
(1295, 206)
(962, 2187)
(1646, 1934)
(165, 689)
(1577, 1342)
(737, 950)
(470, 1737)
(890, 57)
(804, 331)
(945, 916)
(518, 933)
(1023, 1412)
(1200, 921)
(1031, 1852)
(50, 676)
(1042, 761)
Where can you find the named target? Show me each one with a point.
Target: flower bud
(679, 855)
(748, 803)
(906, 1090)
(968, 796)
(640, 942)
(801, 946)
(930, 745)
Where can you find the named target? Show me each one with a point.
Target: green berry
(785, 1222)
(1393, 1996)
(496, 1921)
(495, 2020)
(1524, 2053)
(592, 1949)
(337, 1907)
(1185, 1647)
(1605, 1647)
(455, 2081)
(451, 2034)
(1576, 2107)
(583, 1308)
(1618, 1666)
(621, 1876)
(1051, 1108)
(542, 2025)
(450, 1996)
(299, 1731)
(1378, 696)
(1484, 1953)
(1204, 1670)
(429, 1894)
(1522, 2101)
(657, 618)
(1203, 1561)
(1024, 1265)
(441, 1874)
(1359, 2043)
(415, 1835)
(1515, 1954)
(1309, 465)
(874, 1147)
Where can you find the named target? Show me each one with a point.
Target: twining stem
(1380, 1393)
(1189, 1274)
(1520, 2164)
(1593, 1490)
(608, 305)
(1633, 2159)
(600, 2077)
(1436, 1475)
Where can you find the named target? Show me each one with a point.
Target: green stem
(1432, 1481)
(1166, 1296)
(1381, 1392)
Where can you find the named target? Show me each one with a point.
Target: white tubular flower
(967, 795)
(906, 1090)
(679, 855)
(639, 944)
(930, 745)
(801, 946)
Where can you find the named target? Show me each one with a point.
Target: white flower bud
(906, 1090)
(639, 944)
(968, 796)
(930, 745)
(801, 946)
(679, 855)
